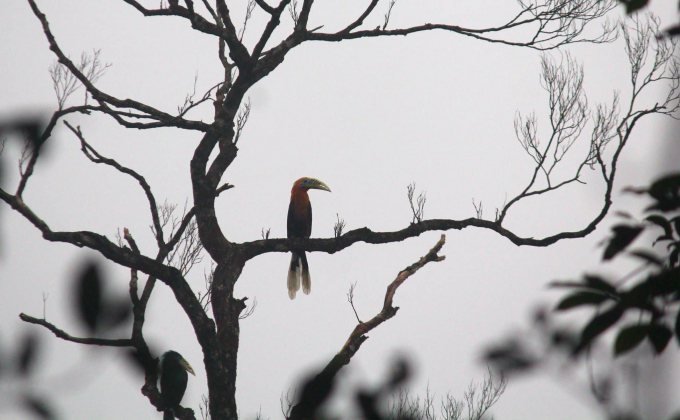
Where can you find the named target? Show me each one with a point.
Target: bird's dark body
(174, 380)
(300, 217)
(299, 226)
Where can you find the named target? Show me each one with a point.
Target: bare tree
(544, 25)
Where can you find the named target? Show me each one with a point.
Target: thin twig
(350, 299)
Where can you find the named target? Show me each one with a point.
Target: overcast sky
(367, 117)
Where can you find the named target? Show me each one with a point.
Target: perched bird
(300, 226)
(173, 381)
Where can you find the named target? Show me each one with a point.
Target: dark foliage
(89, 296)
(96, 313)
(633, 6)
(653, 295)
(26, 127)
(318, 390)
(39, 407)
(27, 354)
(99, 311)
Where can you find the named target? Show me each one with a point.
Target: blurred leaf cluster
(633, 6)
(100, 312)
(651, 292)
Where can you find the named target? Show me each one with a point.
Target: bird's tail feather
(294, 274)
(168, 415)
(306, 278)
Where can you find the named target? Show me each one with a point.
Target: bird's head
(172, 357)
(305, 184)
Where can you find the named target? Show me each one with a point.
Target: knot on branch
(239, 305)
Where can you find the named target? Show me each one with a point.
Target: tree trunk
(226, 310)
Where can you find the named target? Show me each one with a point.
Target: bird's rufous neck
(299, 194)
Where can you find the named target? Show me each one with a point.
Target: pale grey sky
(367, 117)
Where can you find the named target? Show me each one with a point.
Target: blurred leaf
(2, 362)
(38, 406)
(597, 282)
(666, 193)
(629, 338)
(676, 224)
(660, 221)
(116, 314)
(590, 282)
(677, 327)
(314, 392)
(368, 402)
(623, 236)
(673, 30)
(565, 338)
(89, 296)
(598, 325)
(660, 284)
(648, 256)
(664, 224)
(400, 373)
(27, 126)
(634, 5)
(623, 214)
(541, 316)
(27, 354)
(673, 257)
(635, 190)
(567, 283)
(659, 335)
(509, 357)
(580, 299)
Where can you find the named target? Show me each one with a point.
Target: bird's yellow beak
(315, 184)
(187, 366)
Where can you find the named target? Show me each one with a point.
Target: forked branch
(569, 111)
(110, 104)
(95, 157)
(358, 335)
(549, 23)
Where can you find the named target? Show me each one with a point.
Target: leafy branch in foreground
(639, 310)
(646, 300)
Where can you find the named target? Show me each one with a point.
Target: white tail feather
(306, 282)
(294, 276)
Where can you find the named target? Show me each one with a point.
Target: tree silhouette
(544, 26)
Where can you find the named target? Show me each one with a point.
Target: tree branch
(304, 15)
(237, 51)
(164, 119)
(269, 29)
(198, 22)
(47, 132)
(123, 342)
(95, 157)
(358, 335)
(558, 22)
(203, 325)
(360, 19)
(267, 8)
(333, 245)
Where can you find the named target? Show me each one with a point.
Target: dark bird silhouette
(174, 377)
(300, 226)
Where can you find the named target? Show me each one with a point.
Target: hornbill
(300, 226)
(173, 381)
